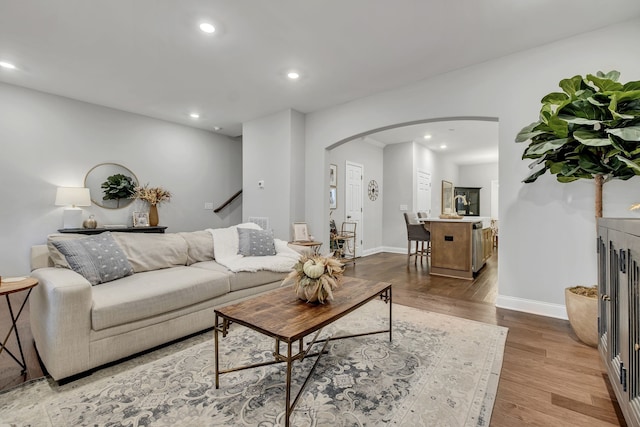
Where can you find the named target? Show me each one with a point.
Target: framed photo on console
(140, 219)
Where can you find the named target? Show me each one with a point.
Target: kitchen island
(457, 246)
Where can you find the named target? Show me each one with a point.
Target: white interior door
(423, 197)
(354, 173)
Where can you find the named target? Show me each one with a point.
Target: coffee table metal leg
(215, 340)
(288, 385)
(390, 318)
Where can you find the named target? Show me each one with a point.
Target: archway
(374, 148)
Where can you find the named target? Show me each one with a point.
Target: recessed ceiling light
(7, 65)
(443, 146)
(194, 115)
(293, 75)
(207, 28)
(427, 136)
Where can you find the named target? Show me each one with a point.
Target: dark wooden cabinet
(468, 202)
(619, 310)
(156, 229)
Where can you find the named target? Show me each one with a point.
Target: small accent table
(6, 288)
(315, 246)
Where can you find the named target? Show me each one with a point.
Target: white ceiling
(149, 57)
(468, 142)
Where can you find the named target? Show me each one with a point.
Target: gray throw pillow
(97, 258)
(255, 242)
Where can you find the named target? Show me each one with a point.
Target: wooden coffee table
(279, 314)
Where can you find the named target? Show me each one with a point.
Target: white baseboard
(372, 251)
(394, 250)
(558, 311)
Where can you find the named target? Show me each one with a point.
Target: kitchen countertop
(486, 221)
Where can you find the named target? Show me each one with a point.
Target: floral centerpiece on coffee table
(315, 277)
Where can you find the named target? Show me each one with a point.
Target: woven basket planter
(583, 316)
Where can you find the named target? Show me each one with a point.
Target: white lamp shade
(73, 196)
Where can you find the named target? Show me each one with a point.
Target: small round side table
(315, 246)
(10, 287)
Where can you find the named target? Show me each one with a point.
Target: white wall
(547, 229)
(441, 168)
(48, 141)
(370, 156)
(479, 176)
(398, 184)
(401, 164)
(274, 148)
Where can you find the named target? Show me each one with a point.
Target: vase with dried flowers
(315, 277)
(154, 196)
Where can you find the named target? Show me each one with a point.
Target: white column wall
(274, 153)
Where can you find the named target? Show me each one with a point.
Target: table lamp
(74, 197)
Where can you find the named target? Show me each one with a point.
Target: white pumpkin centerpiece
(315, 277)
(313, 268)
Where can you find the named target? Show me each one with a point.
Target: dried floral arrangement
(153, 195)
(315, 277)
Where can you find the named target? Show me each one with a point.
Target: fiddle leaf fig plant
(590, 130)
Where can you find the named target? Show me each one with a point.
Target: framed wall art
(447, 197)
(333, 175)
(333, 198)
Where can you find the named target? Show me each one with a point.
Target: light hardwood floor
(548, 377)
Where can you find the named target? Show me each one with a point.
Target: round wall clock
(373, 189)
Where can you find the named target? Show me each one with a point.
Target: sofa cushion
(56, 256)
(255, 242)
(152, 293)
(97, 258)
(200, 246)
(243, 279)
(150, 251)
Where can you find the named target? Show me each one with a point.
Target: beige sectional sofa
(175, 285)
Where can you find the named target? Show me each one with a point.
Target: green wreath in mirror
(117, 187)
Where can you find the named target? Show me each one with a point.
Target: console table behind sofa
(156, 229)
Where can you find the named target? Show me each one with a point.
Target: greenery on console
(590, 130)
(118, 187)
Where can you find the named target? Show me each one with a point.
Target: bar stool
(418, 234)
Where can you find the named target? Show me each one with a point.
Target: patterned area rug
(438, 371)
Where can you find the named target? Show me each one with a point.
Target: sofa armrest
(60, 313)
